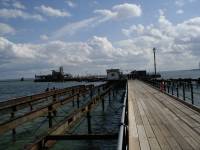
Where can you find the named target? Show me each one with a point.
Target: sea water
(193, 74)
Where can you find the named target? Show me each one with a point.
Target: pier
(139, 115)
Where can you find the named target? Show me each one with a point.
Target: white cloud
(71, 3)
(177, 47)
(44, 37)
(52, 12)
(177, 44)
(72, 28)
(16, 13)
(127, 10)
(9, 50)
(96, 53)
(6, 29)
(122, 11)
(18, 5)
(139, 29)
(118, 12)
(180, 11)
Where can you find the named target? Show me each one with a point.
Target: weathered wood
(160, 121)
(11, 124)
(26, 101)
(66, 124)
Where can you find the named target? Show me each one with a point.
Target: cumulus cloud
(6, 29)
(177, 44)
(127, 10)
(52, 12)
(121, 11)
(97, 53)
(16, 13)
(177, 47)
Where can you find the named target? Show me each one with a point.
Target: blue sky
(92, 35)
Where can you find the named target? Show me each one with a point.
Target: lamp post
(154, 54)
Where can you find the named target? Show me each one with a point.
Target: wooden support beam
(11, 124)
(66, 124)
(15, 122)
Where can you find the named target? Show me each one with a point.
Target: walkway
(158, 122)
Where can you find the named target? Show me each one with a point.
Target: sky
(90, 36)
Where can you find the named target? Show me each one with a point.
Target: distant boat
(22, 79)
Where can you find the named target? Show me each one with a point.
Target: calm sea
(194, 74)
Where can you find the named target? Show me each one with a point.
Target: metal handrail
(168, 88)
(123, 132)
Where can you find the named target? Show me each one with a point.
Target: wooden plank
(180, 129)
(133, 133)
(187, 128)
(174, 125)
(164, 131)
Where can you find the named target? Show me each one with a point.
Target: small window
(112, 74)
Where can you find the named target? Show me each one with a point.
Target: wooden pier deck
(159, 122)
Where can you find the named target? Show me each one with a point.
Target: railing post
(109, 95)
(172, 88)
(167, 87)
(184, 91)
(89, 122)
(31, 107)
(103, 106)
(50, 116)
(164, 86)
(73, 103)
(98, 91)
(13, 130)
(54, 97)
(91, 93)
(177, 91)
(192, 94)
(78, 102)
